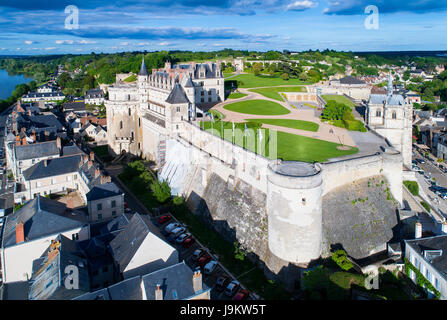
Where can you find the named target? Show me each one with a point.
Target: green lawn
(289, 123)
(258, 107)
(289, 146)
(236, 95)
(339, 99)
(251, 81)
(131, 78)
(227, 74)
(273, 93)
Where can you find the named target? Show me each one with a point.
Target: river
(8, 83)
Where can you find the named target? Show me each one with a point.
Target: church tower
(391, 116)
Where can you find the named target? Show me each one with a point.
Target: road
(432, 170)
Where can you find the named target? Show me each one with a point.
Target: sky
(74, 26)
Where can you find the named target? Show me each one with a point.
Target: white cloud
(144, 43)
(29, 42)
(86, 42)
(50, 48)
(301, 5)
(125, 43)
(64, 41)
(164, 43)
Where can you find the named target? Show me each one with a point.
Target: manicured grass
(289, 123)
(289, 146)
(131, 78)
(339, 99)
(226, 74)
(273, 93)
(236, 95)
(217, 114)
(258, 107)
(251, 81)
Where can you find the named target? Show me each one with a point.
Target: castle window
(131, 135)
(394, 115)
(303, 201)
(121, 124)
(139, 122)
(178, 109)
(202, 100)
(378, 113)
(209, 99)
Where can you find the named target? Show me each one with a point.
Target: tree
(285, 76)
(239, 253)
(257, 67)
(63, 80)
(162, 191)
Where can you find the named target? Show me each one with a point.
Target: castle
(141, 116)
(285, 214)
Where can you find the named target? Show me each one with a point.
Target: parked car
(171, 226)
(210, 267)
(222, 283)
(232, 287)
(242, 295)
(203, 261)
(420, 160)
(197, 254)
(163, 219)
(178, 231)
(182, 237)
(188, 242)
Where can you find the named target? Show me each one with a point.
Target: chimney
(108, 179)
(29, 112)
(89, 165)
(47, 135)
(444, 227)
(418, 230)
(92, 156)
(70, 203)
(96, 173)
(20, 232)
(45, 162)
(58, 143)
(158, 293)
(17, 141)
(85, 158)
(24, 141)
(197, 281)
(34, 136)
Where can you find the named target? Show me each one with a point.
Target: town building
(94, 96)
(105, 202)
(138, 251)
(28, 232)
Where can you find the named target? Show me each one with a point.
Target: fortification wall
(285, 217)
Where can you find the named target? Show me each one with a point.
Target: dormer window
(432, 254)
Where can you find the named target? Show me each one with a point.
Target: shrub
(412, 186)
(239, 253)
(425, 205)
(178, 200)
(341, 259)
(285, 76)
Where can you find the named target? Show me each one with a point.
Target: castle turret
(294, 208)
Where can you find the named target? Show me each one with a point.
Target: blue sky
(38, 27)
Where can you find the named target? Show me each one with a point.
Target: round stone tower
(294, 197)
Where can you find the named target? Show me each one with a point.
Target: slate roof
(351, 80)
(71, 149)
(128, 289)
(37, 150)
(94, 93)
(116, 224)
(175, 281)
(432, 243)
(44, 94)
(143, 70)
(124, 246)
(15, 290)
(102, 294)
(102, 191)
(393, 100)
(41, 217)
(54, 167)
(177, 95)
(188, 83)
(74, 106)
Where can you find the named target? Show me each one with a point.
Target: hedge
(412, 186)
